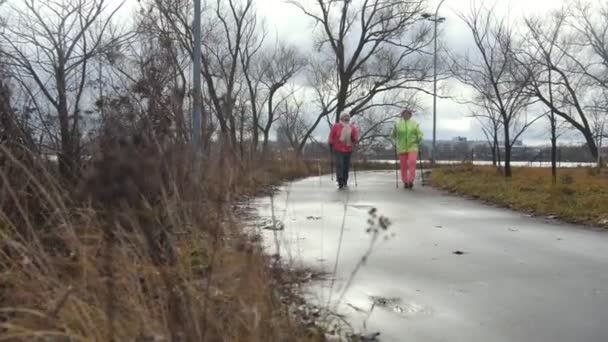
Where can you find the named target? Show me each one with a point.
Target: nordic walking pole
(396, 160)
(420, 165)
(396, 168)
(355, 170)
(320, 173)
(331, 164)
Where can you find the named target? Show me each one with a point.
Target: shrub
(139, 250)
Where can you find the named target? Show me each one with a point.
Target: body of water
(513, 163)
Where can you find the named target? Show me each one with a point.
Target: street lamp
(436, 20)
(196, 79)
(197, 96)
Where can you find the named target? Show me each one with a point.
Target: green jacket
(408, 136)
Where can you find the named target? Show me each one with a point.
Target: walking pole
(320, 173)
(331, 164)
(396, 160)
(420, 165)
(396, 168)
(355, 169)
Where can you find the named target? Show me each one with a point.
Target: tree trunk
(497, 146)
(229, 127)
(310, 131)
(268, 126)
(255, 135)
(206, 125)
(177, 104)
(599, 152)
(241, 134)
(266, 142)
(553, 134)
(498, 156)
(553, 151)
(591, 144)
(66, 155)
(233, 138)
(344, 82)
(508, 172)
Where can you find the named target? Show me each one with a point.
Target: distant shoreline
(489, 162)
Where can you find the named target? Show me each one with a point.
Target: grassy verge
(138, 250)
(580, 195)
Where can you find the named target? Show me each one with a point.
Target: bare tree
(490, 122)
(14, 126)
(254, 67)
(231, 30)
(161, 66)
(599, 122)
(366, 48)
(494, 74)
(541, 53)
(376, 122)
(320, 77)
(266, 80)
(150, 75)
(590, 22)
(236, 23)
(558, 73)
(284, 63)
(374, 126)
(292, 124)
(51, 46)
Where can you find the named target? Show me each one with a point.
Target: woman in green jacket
(407, 135)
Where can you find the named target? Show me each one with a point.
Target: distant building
(459, 139)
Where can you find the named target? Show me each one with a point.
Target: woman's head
(406, 114)
(345, 117)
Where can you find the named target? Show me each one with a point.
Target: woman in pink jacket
(342, 138)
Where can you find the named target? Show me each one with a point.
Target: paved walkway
(455, 270)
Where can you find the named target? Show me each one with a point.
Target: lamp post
(436, 20)
(196, 80)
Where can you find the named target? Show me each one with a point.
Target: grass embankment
(579, 196)
(137, 250)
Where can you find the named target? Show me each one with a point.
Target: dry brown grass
(580, 195)
(140, 251)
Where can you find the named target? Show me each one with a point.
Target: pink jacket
(334, 138)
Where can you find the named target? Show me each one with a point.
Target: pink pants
(407, 161)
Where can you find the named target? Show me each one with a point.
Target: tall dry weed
(139, 250)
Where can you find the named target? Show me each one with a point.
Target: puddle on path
(362, 207)
(401, 308)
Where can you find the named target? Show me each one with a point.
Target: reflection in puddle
(396, 305)
(362, 207)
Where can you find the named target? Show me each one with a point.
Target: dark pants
(342, 166)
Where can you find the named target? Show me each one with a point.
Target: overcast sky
(452, 119)
(291, 25)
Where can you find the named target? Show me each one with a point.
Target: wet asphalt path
(455, 269)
